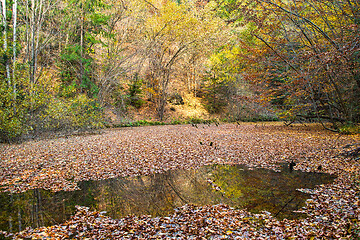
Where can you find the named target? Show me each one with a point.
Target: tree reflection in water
(159, 194)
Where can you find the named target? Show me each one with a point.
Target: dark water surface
(159, 194)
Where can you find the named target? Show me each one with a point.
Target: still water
(160, 194)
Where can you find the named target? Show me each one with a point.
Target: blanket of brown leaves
(58, 164)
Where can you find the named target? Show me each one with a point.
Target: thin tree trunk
(14, 51)
(3, 3)
(32, 50)
(38, 22)
(27, 55)
(81, 48)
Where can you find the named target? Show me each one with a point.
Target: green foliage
(139, 123)
(223, 81)
(72, 64)
(118, 98)
(194, 120)
(85, 112)
(60, 114)
(172, 122)
(135, 93)
(13, 111)
(215, 94)
(176, 122)
(259, 118)
(68, 91)
(36, 110)
(350, 128)
(11, 125)
(84, 22)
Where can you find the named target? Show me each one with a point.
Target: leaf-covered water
(159, 194)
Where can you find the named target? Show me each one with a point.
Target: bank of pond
(254, 189)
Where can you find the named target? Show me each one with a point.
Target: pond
(159, 194)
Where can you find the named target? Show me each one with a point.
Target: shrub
(350, 128)
(135, 92)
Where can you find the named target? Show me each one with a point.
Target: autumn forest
(179, 119)
(66, 64)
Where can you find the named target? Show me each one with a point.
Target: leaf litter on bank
(58, 164)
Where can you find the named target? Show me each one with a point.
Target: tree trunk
(32, 39)
(161, 108)
(14, 51)
(3, 3)
(82, 72)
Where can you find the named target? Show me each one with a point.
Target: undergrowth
(139, 123)
(350, 128)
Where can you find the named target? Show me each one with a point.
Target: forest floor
(60, 163)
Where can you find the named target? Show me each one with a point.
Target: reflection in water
(159, 194)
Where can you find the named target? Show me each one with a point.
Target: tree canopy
(63, 63)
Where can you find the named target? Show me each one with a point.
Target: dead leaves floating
(59, 164)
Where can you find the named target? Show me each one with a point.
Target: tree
(5, 35)
(10, 117)
(173, 32)
(304, 55)
(38, 34)
(117, 58)
(84, 23)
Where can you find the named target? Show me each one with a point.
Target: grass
(139, 123)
